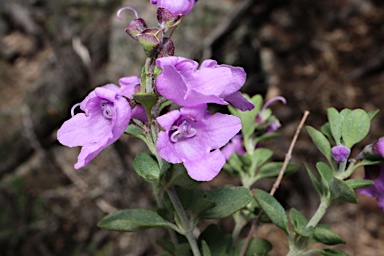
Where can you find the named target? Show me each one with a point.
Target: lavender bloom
(340, 153)
(106, 116)
(193, 136)
(176, 7)
(234, 146)
(376, 190)
(181, 82)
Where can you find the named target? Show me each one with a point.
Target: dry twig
(276, 185)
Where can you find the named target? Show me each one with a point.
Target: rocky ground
(317, 54)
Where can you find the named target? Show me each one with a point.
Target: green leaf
(368, 162)
(205, 249)
(217, 241)
(248, 117)
(257, 247)
(355, 127)
(148, 100)
(194, 201)
(166, 245)
(133, 220)
(321, 142)
(325, 172)
(298, 220)
(315, 182)
(236, 163)
(165, 104)
(260, 156)
(358, 183)
(372, 114)
(228, 200)
(335, 121)
(178, 176)
(147, 167)
(326, 130)
(344, 113)
(326, 236)
(342, 191)
(272, 208)
(136, 131)
(329, 252)
(266, 136)
(271, 170)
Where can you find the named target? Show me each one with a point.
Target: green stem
(184, 222)
(342, 167)
(324, 204)
(149, 70)
(348, 172)
(240, 222)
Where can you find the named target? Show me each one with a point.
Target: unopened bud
(340, 153)
(167, 48)
(149, 40)
(379, 147)
(137, 26)
(167, 18)
(373, 151)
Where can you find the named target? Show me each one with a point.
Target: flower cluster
(191, 134)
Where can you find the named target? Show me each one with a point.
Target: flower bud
(149, 40)
(167, 48)
(273, 126)
(137, 26)
(379, 147)
(340, 153)
(166, 18)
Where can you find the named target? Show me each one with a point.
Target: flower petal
(207, 167)
(220, 129)
(81, 130)
(239, 101)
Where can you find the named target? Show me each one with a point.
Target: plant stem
(185, 224)
(324, 204)
(149, 70)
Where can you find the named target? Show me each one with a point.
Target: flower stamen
(107, 109)
(184, 130)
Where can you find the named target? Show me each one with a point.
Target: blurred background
(316, 54)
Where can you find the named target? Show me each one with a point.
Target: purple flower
(128, 86)
(376, 190)
(193, 136)
(234, 146)
(379, 147)
(340, 153)
(183, 83)
(106, 117)
(176, 7)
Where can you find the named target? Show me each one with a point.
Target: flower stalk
(184, 223)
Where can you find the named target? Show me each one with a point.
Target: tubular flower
(105, 118)
(176, 7)
(193, 136)
(376, 190)
(183, 83)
